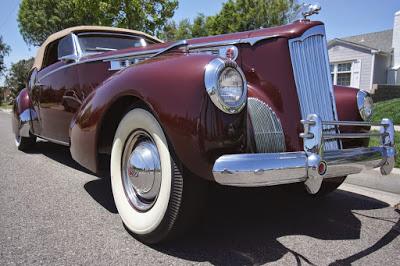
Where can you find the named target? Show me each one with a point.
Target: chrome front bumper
(313, 164)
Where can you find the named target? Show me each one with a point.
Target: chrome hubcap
(141, 170)
(17, 139)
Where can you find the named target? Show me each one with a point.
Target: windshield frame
(142, 40)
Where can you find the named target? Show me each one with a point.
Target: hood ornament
(310, 10)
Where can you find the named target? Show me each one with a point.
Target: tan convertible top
(58, 35)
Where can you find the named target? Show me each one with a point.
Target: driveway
(53, 212)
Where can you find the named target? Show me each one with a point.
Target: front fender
(347, 109)
(22, 114)
(172, 87)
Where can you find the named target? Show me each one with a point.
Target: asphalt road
(54, 212)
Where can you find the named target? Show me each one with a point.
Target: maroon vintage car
(247, 109)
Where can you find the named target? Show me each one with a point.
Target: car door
(34, 94)
(55, 89)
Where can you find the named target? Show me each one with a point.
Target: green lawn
(387, 109)
(375, 142)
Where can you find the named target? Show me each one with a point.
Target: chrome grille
(268, 133)
(313, 80)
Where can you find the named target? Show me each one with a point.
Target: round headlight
(365, 105)
(226, 85)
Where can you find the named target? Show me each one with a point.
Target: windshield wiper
(99, 49)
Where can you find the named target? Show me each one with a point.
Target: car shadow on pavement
(244, 226)
(99, 189)
(57, 153)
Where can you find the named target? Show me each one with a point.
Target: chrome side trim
(54, 140)
(252, 41)
(171, 47)
(105, 59)
(120, 64)
(218, 50)
(122, 56)
(151, 53)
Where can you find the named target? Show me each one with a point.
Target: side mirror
(68, 48)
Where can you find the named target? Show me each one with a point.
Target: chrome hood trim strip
(151, 53)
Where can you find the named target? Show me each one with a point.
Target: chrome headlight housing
(365, 105)
(226, 85)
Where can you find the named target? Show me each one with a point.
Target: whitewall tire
(146, 183)
(24, 143)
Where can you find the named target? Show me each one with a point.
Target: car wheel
(153, 199)
(328, 186)
(24, 143)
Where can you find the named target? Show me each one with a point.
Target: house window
(341, 73)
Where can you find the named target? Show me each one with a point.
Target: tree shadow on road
(244, 226)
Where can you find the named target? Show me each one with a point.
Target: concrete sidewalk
(396, 128)
(373, 179)
(8, 111)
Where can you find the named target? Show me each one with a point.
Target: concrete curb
(390, 198)
(8, 111)
(373, 179)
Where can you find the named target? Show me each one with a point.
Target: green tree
(235, 16)
(242, 15)
(17, 76)
(38, 19)
(4, 50)
(169, 31)
(2, 89)
(184, 30)
(199, 27)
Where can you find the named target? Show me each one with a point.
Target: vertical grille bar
(313, 81)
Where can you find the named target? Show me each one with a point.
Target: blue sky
(342, 18)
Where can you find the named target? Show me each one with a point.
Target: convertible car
(247, 109)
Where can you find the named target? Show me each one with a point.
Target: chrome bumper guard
(313, 164)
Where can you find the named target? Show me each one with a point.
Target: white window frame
(336, 72)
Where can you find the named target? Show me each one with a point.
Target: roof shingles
(381, 40)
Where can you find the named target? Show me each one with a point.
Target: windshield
(100, 43)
